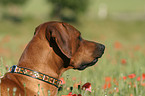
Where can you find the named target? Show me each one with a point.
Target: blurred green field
(124, 41)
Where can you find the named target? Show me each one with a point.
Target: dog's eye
(80, 38)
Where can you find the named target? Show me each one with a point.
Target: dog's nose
(102, 48)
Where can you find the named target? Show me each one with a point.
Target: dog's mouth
(83, 66)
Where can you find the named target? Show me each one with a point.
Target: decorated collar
(35, 74)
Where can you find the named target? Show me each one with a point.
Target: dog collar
(35, 74)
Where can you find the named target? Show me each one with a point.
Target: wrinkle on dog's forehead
(69, 27)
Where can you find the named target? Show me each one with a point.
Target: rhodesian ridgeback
(54, 48)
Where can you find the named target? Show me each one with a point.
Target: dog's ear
(37, 29)
(59, 36)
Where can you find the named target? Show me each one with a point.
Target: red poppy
(123, 61)
(116, 89)
(131, 76)
(107, 85)
(124, 77)
(131, 94)
(107, 79)
(143, 84)
(143, 76)
(138, 78)
(87, 86)
(70, 94)
(74, 95)
(117, 45)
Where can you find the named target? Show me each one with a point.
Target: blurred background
(118, 24)
(99, 20)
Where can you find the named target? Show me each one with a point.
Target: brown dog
(54, 48)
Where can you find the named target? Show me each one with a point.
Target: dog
(54, 48)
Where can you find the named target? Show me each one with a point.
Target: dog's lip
(83, 66)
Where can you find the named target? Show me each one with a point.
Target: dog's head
(75, 51)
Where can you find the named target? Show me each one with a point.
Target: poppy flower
(107, 85)
(131, 94)
(74, 95)
(123, 61)
(131, 76)
(143, 84)
(143, 76)
(124, 77)
(87, 87)
(107, 79)
(116, 89)
(138, 78)
(117, 45)
(70, 94)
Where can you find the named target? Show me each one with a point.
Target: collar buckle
(13, 68)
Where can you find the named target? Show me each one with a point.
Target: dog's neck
(39, 56)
